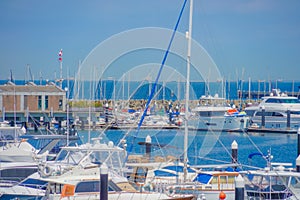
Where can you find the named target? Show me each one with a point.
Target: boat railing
(8, 183)
(36, 186)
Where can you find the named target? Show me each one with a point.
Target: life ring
(45, 170)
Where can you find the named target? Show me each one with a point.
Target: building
(30, 102)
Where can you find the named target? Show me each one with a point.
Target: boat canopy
(203, 178)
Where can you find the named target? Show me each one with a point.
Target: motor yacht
(277, 112)
(213, 114)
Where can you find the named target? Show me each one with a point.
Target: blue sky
(258, 38)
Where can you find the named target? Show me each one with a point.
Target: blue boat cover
(203, 178)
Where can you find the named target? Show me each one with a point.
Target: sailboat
(178, 178)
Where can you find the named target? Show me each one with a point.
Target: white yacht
(275, 181)
(88, 187)
(29, 188)
(214, 114)
(31, 148)
(9, 132)
(277, 112)
(75, 174)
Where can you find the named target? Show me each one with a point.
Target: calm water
(207, 147)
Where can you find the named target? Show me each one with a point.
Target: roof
(30, 88)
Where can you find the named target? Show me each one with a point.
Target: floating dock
(271, 130)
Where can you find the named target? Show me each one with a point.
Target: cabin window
(266, 113)
(46, 102)
(205, 114)
(223, 179)
(295, 112)
(25, 101)
(92, 186)
(211, 114)
(231, 179)
(273, 100)
(214, 180)
(39, 102)
(17, 174)
(276, 114)
(31, 182)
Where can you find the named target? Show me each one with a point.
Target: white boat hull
(222, 123)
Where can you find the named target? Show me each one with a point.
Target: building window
(25, 102)
(46, 102)
(39, 102)
(60, 104)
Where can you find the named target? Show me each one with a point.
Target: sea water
(205, 147)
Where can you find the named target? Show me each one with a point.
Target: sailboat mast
(189, 37)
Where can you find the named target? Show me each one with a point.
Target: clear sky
(250, 38)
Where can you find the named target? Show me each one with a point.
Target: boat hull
(222, 123)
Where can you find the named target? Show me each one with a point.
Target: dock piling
(234, 151)
(239, 188)
(148, 141)
(103, 182)
(288, 119)
(263, 117)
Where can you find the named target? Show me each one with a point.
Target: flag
(60, 55)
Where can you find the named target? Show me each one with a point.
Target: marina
(147, 115)
(154, 165)
(206, 149)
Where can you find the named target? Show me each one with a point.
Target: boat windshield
(112, 157)
(266, 181)
(273, 114)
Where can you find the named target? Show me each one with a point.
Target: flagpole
(60, 75)
(60, 66)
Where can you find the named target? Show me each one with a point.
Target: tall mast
(189, 37)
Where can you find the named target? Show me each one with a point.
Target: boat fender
(222, 195)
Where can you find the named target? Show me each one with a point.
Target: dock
(271, 130)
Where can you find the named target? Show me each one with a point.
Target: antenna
(11, 76)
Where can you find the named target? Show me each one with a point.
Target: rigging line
(212, 159)
(227, 151)
(127, 132)
(220, 142)
(252, 142)
(157, 78)
(210, 130)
